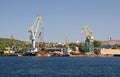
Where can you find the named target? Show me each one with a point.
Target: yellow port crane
(89, 42)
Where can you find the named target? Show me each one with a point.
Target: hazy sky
(60, 17)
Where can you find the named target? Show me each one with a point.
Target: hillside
(6, 42)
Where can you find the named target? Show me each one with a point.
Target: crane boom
(87, 32)
(39, 22)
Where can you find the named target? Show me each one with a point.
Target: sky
(60, 18)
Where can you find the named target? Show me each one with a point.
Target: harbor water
(59, 66)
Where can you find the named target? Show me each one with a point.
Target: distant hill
(6, 42)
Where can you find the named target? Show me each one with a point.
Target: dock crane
(33, 30)
(41, 43)
(89, 42)
(66, 50)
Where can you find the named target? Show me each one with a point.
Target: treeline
(97, 45)
(81, 46)
(6, 43)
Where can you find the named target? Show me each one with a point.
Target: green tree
(73, 46)
(115, 46)
(82, 47)
(97, 43)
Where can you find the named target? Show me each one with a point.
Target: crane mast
(33, 30)
(89, 42)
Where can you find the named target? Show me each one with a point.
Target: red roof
(107, 41)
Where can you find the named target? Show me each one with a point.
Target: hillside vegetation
(6, 43)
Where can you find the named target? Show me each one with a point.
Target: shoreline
(61, 55)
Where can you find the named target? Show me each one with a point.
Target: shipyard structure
(38, 47)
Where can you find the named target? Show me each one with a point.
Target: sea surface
(59, 66)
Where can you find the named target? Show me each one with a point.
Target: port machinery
(41, 44)
(89, 42)
(33, 33)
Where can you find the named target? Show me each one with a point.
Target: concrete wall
(9, 52)
(110, 51)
